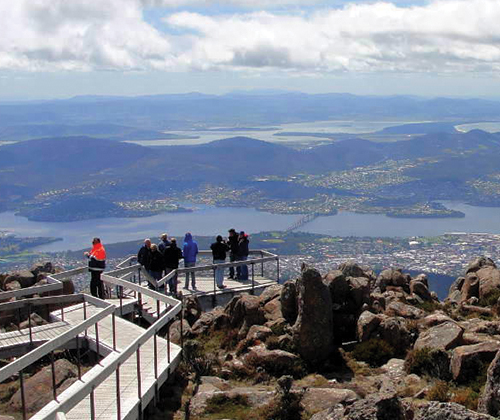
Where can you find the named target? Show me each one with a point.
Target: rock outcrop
(313, 330)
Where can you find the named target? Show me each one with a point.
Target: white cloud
(441, 36)
(78, 35)
(250, 4)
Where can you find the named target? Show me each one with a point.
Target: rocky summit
(347, 344)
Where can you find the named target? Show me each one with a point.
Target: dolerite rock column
(313, 330)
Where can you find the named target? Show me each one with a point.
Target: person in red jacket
(97, 264)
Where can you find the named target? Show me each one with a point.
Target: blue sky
(62, 48)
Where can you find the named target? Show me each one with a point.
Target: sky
(63, 48)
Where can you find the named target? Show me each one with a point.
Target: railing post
(79, 365)
(262, 265)
(85, 314)
(277, 270)
(121, 300)
(214, 298)
(118, 401)
(62, 313)
(29, 325)
(253, 279)
(23, 397)
(168, 343)
(92, 404)
(54, 389)
(114, 330)
(19, 319)
(139, 388)
(97, 343)
(182, 323)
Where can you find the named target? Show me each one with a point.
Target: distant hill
(183, 111)
(421, 128)
(98, 130)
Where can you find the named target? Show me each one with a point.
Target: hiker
(242, 270)
(219, 249)
(190, 251)
(156, 265)
(232, 242)
(144, 255)
(164, 243)
(171, 258)
(97, 264)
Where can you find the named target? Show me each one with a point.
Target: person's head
(96, 241)
(188, 237)
(163, 236)
(242, 234)
(219, 238)
(173, 241)
(154, 247)
(147, 242)
(232, 232)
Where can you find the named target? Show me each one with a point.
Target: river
(207, 220)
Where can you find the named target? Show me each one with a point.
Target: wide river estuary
(206, 220)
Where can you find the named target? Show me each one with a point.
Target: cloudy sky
(60, 48)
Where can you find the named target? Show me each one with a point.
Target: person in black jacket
(156, 265)
(171, 257)
(219, 249)
(232, 242)
(242, 270)
(144, 255)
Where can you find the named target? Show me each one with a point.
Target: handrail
(29, 358)
(53, 284)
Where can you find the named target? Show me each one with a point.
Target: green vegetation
(375, 352)
(491, 299)
(440, 391)
(427, 361)
(223, 406)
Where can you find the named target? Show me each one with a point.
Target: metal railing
(112, 363)
(53, 284)
(258, 259)
(19, 365)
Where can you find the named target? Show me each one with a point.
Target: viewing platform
(132, 361)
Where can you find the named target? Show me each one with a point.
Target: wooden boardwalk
(205, 285)
(39, 333)
(105, 395)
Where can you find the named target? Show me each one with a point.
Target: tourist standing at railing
(144, 255)
(171, 256)
(219, 249)
(97, 264)
(164, 243)
(232, 242)
(190, 251)
(157, 265)
(242, 270)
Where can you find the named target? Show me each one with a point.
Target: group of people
(162, 258)
(159, 260)
(238, 247)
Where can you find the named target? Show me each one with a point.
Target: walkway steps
(105, 394)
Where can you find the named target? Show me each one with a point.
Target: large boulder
(351, 269)
(288, 300)
(381, 406)
(213, 320)
(38, 388)
(245, 311)
(479, 263)
(277, 362)
(315, 399)
(468, 361)
(368, 324)
(394, 331)
(470, 287)
(448, 411)
(444, 336)
(489, 281)
(404, 310)
(339, 288)
(177, 331)
(359, 292)
(272, 310)
(47, 268)
(192, 309)
(270, 293)
(313, 330)
(420, 289)
(25, 278)
(490, 399)
(391, 277)
(259, 333)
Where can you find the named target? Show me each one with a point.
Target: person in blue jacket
(190, 251)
